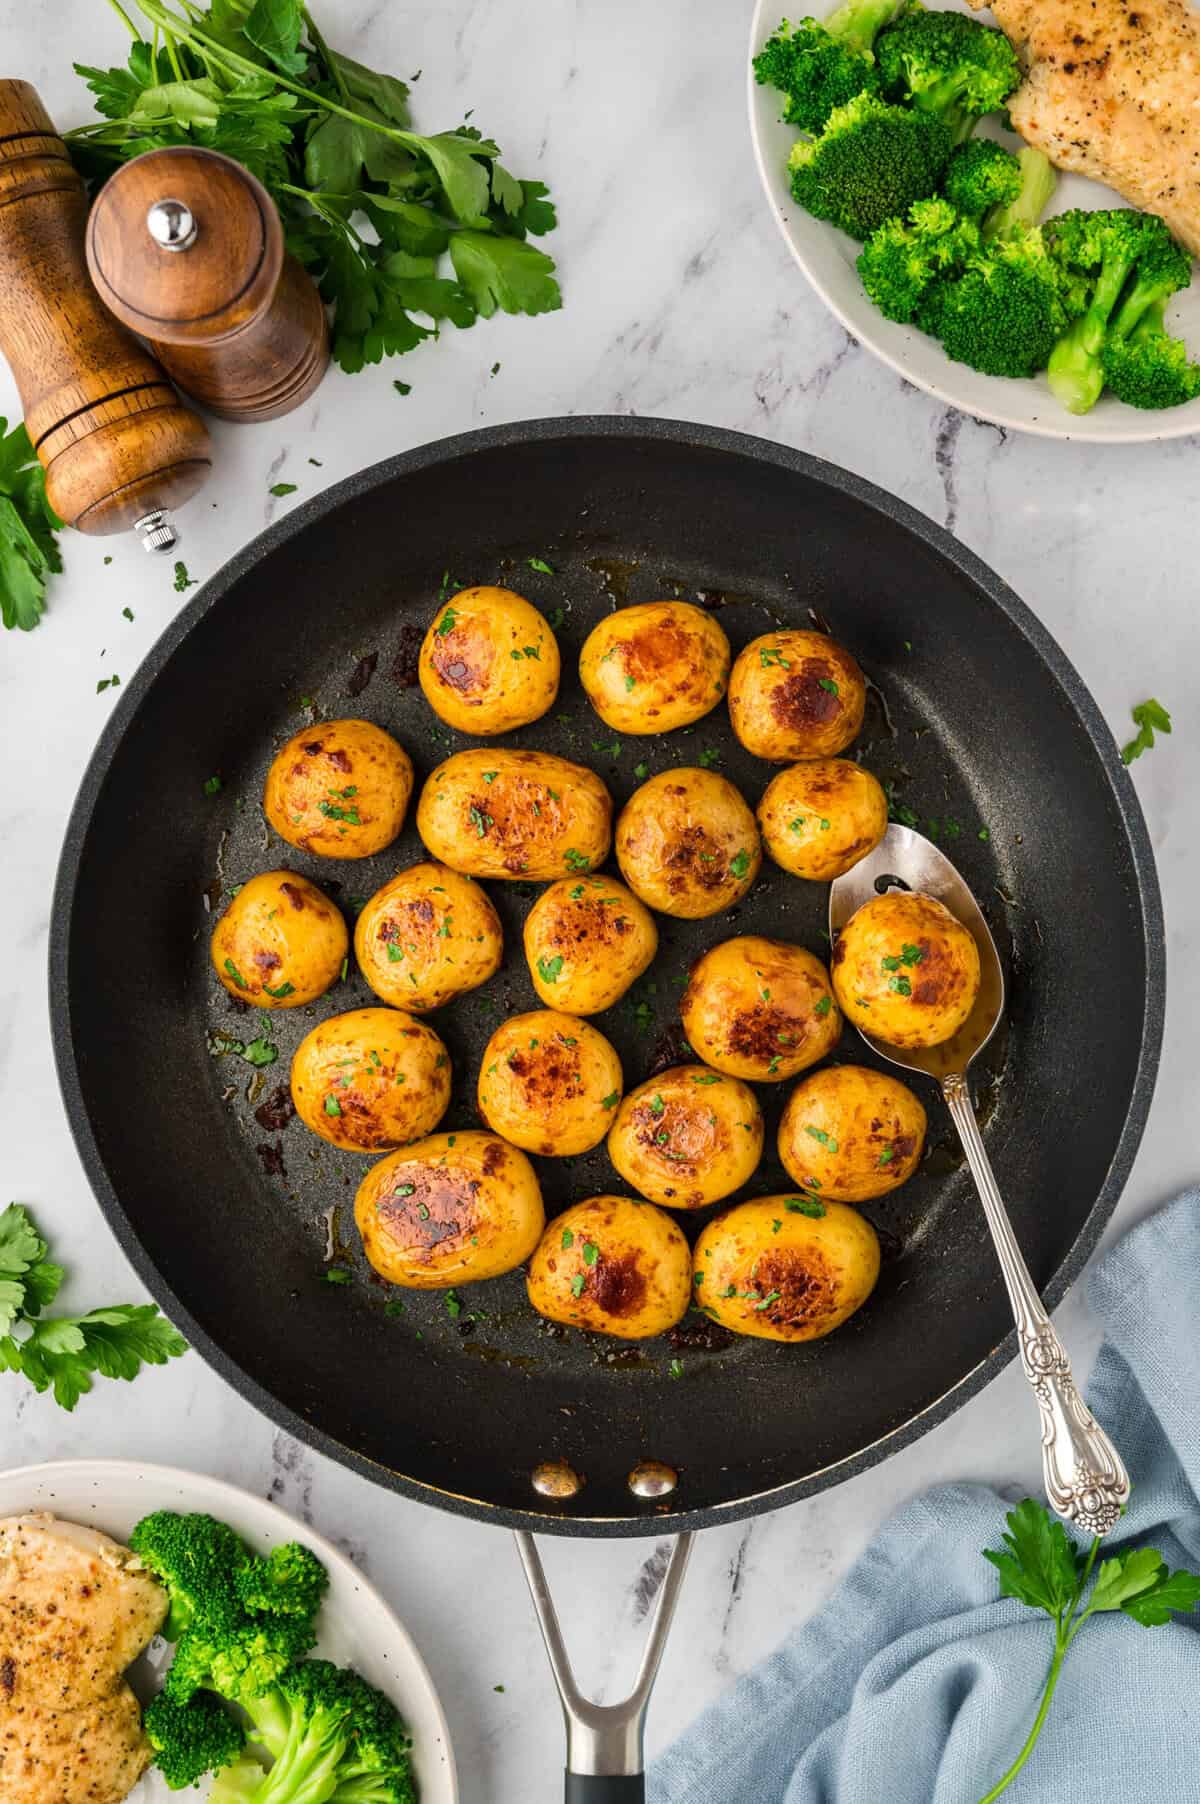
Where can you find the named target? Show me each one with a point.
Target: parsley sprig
(370, 207)
(1149, 718)
(28, 548)
(63, 1352)
(1040, 1566)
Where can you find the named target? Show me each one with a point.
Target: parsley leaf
(28, 547)
(1149, 718)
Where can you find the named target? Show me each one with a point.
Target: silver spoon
(1085, 1479)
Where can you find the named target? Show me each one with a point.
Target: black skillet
(977, 722)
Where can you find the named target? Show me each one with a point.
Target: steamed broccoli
(1149, 368)
(949, 66)
(197, 1560)
(1005, 310)
(239, 1660)
(869, 165)
(291, 1581)
(821, 64)
(901, 261)
(980, 175)
(1117, 252)
(1037, 180)
(191, 1739)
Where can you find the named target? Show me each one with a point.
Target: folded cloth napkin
(916, 1683)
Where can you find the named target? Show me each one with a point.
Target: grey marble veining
(681, 301)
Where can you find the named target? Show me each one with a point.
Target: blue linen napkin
(916, 1684)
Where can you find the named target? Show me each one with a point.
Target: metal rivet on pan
(650, 1478)
(554, 1478)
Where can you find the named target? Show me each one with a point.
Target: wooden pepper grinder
(186, 247)
(118, 447)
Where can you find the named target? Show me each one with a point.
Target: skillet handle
(606, 1788)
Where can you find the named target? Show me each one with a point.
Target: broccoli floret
(1036, 184)
(197, 1560)
(375, 1768)
(1120, 252)
(903, 258)
(821, 64)
(291, 1581)
(1149, 368)
(948, 65)
(1004, 312)
(980, 175)
(869, 165)
(239, 1661)
(192, 1739)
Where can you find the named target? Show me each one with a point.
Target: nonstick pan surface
(976, 720)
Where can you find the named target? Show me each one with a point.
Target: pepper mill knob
(185, 247)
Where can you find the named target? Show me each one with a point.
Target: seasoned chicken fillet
(91, 1756)
(1112, 91)
(75, 1610)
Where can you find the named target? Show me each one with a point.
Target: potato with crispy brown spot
(489, 663)
(760, 1009)
(796, 694)
(687, 1137)
(340, 789)
(687, 843)
(820, 817)
(851, 1134)
(280, 943)
(785, 1267)
(549, 1083)
(906, 970)
(499, 813)
(612, 1266)
(586, 940)
(427, 936)
(371, 1079)
(452, 1209)
(654, 667)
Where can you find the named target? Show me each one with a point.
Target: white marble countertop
(681, 301)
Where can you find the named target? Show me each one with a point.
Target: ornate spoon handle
(1084, 1476)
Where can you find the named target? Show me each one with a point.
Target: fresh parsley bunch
(63, 1352)
(400, 231)
(28, 549)
(1040, 1566)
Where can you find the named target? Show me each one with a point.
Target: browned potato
(687, 843)
(340, 789)
(427, 936)
(489, 663)
(821, 817)
(687, 1137)
(449, 1210)
(760, 1009)
(549, 1082)
(613, 1266)
(280, 943)
(652, 668)
(851, 1134)
(794, 695)
(785, 1267)
(371, 1079)
(906, 970)
(587, 939)
(515, 814)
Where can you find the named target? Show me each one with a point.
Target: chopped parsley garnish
(333, 812)
(641, 772)
(549, 968)
(708, 757)
(1149, 718)
(774, 1065)
(675, 1369)
(335, 1274)
(805, 1205)
(539, 563)
(575, 861)
(447, 623)
(453, 1305)
(739, 864)
(395, 952)
(332, 1105)
(608, 751)
(282, 488)
(404, 1190)
(182, 579)
(480, 821)
(657, 1105)
(887, 1155)
(769, 655)
(236, 975)
(826, 1140)
(568, 1239)
(577, 1284)
(402, 388)
(611, 1100)
(591, 1252)
(796, 826)
(112, 682)
(823, 1007)
(709, 1078)
(212, 786)
(285, 989)
(772, 1296)
(829, 684)
(900, 985)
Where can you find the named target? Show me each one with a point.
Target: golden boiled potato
(820, 817)
(340, 789)
(906, 970)
(785, 1267)
(427, 936)
(452, 1209)
(687, 843)
(489, 662)
(500, 813)
(549, 1083)
(280, 943)
(851, 1134)
(371, 1079)
(651, 668)
(587, 939)
(687, 1137)
(613, 1266)
(760, 1009)
(796, 694)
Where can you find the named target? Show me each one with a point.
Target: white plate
(827, 258)
(357, 1627)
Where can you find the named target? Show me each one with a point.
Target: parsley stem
(323, 51)
(126, 21)
(1061, 1644)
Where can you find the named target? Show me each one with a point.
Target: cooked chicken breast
(75, 1609)
(91, 1756)
(1112, 91)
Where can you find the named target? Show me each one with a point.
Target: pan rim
(687, 435)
